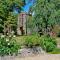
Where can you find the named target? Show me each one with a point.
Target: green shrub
(8, 45)
(48, 43)
(58, 34)
(31, 41)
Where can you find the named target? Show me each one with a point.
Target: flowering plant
(8, 45)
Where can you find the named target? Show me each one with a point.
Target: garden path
(42, 57)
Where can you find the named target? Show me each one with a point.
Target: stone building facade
(21, 24)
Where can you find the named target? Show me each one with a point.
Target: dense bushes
(48, 43)
(8, 45)
(31, 41)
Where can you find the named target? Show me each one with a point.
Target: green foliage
(31, 41)
(31, 25)
(46, 13)
(6, 7)
(11, 21)
(58, 34)
(8, 45)
(48, 43)
(56, 51)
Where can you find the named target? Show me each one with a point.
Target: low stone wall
(25, 52)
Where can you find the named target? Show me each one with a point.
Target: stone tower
(21, 24)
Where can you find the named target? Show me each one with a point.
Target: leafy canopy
(47, 13)
(6, 9)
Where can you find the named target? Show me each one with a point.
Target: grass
(21, 39)
(56, 51)
(58, 41)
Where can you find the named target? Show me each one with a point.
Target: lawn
(56, 51)
(21, 39)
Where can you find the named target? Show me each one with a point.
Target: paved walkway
(36, 57)
(41, 57)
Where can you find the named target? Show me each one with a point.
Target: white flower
(7, 33)
(8, 43)
(14, 36)
(2, 36)
(7, 40)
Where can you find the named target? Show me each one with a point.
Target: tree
(10, 24)
(46, 13)
(6, 7)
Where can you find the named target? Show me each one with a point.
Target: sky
(29, 3)
(26, 7)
